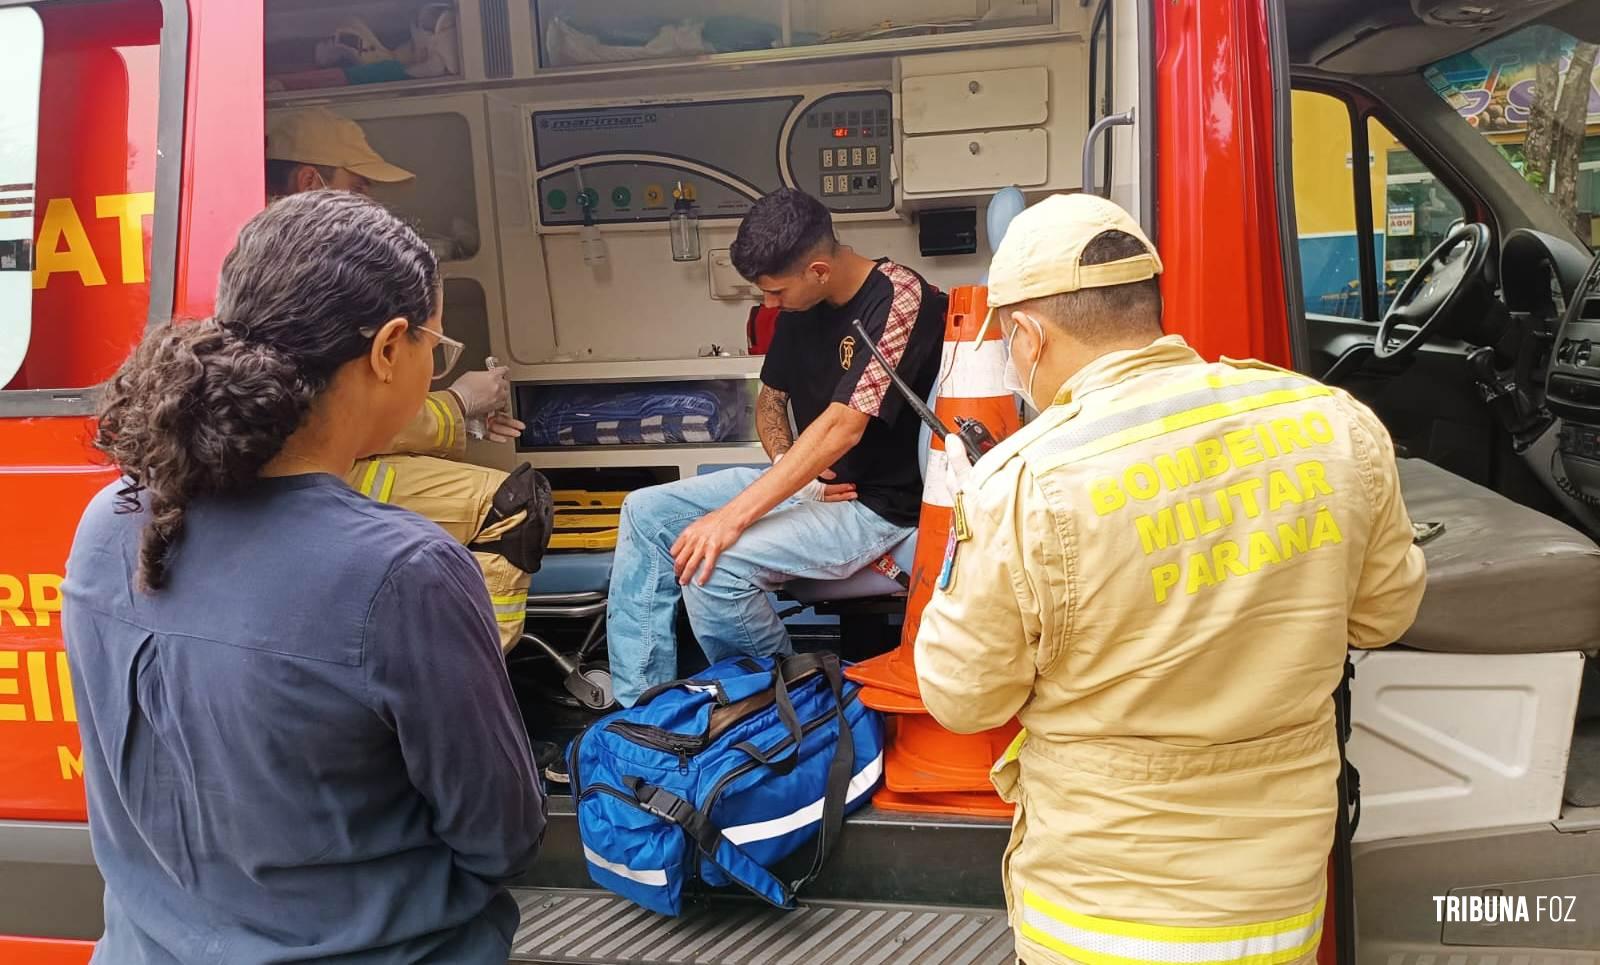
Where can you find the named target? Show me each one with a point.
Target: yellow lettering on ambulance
(130, 210)
(61, 224)
(45, 591)
(71, 764)
(11, 601)
(39, 686)
(10, 687)
(69, 700)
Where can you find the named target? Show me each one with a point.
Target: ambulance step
(580, 927)
(882, 856)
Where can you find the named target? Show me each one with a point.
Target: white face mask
(1012, 379)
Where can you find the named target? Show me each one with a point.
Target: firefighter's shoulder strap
(520, 519)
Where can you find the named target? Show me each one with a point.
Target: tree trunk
(1537, 149)
(1572, 116)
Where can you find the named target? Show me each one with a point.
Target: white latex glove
(956, 467)
(500, 427)
(483, 393)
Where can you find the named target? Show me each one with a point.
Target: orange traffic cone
(927, 769)
(971, 384)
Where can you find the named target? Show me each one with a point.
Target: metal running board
(573, 927)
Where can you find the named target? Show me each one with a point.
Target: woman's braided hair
(199, 409)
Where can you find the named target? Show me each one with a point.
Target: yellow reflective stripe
(1189, 418)
(511, 608)
(386, 490)
(368, 477)
(1208, 379)
(1105, 941)
(1014, 749)
(442, 421)
(1171, 933)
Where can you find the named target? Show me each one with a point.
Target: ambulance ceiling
(1367, 37)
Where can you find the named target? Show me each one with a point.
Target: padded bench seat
(1502, 578)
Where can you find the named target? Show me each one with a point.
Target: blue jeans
(731, 614)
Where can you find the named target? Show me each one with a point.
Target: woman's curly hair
(199, 409)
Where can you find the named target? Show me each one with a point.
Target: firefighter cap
(317, 135)
(1040, 253)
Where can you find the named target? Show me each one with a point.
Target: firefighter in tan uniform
(1160, 575)
(315, 148)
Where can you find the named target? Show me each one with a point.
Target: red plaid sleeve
(904, 306)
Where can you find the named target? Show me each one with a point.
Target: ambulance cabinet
(349, 45)
(973, 121)
(597, 33)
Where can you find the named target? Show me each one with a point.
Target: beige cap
(1039, 254)
(317, 135)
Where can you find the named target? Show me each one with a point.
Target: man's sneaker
(551, 760)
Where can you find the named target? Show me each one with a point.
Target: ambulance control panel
(617, 165)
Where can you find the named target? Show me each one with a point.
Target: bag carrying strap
(709, 838)
(840, 768)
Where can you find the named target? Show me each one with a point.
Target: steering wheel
(1432, 293)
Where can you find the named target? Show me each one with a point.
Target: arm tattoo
(772, 421)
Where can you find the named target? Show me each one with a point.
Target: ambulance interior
(553, 144)
(554, 139)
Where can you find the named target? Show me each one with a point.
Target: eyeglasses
(446, 350)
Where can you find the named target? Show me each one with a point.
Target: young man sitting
(836, 498)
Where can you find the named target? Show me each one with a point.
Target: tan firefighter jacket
(1160, 577)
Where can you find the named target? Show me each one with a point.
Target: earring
(387, 379)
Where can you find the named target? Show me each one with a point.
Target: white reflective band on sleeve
(935, 490)
(656, 878)
(1100, 941)
(973, 371)
(810, 814)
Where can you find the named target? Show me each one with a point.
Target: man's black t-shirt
(817, 359)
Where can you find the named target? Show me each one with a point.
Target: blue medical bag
(723, 775)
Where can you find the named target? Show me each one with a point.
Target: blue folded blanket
(627, 419)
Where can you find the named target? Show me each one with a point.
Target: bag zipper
(752, 764)
(659, 739)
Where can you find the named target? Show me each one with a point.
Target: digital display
(841, 132)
